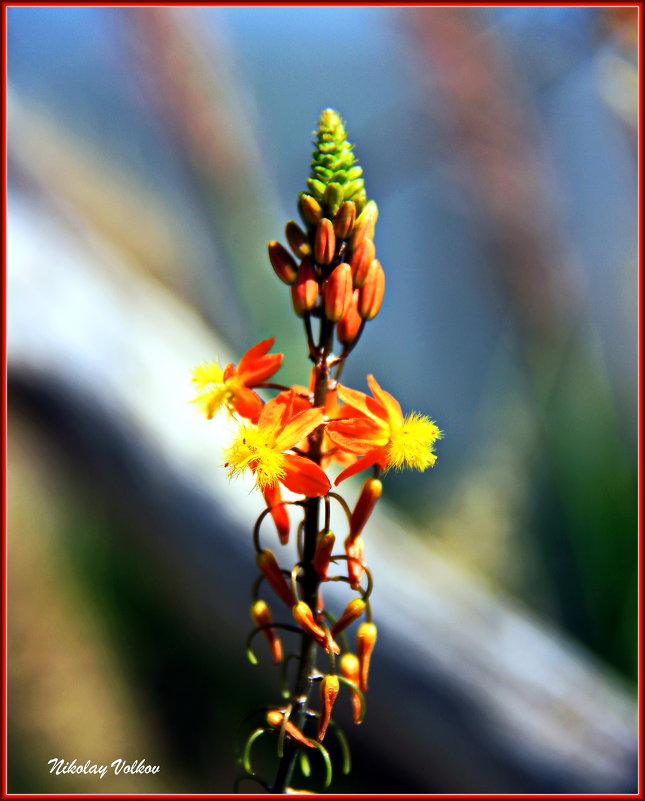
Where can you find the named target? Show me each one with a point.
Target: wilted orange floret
(231, 387)
(379, 434)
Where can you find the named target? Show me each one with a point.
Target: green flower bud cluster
(335, 176)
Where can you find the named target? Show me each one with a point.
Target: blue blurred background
(501, 147)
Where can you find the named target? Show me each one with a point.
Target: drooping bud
(370, 493)
(352, 188)
(304, 292)
(349, 325)
(282, 262)
(334, 196)
(297, 239)
(354, 550)
(365, 223)
(349, 667)
(275, 718)
(304, 617)
(268, 564)
(329, 688)
(324, 242)
(273, 499)
(353, 611)
(344, 220)
(372, 292)
(324, 546)
(338, 292)
(361, 260)
(365, 642)
(261, 616)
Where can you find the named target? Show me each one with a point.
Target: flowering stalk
(290, 442)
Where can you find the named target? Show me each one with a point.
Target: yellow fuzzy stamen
(411, 443)
(254, 448)
(213, 392)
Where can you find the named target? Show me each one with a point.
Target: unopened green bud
(317, 188)
(352, 188)
(333, 198)
(361, 200)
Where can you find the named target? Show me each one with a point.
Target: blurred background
(152, 154)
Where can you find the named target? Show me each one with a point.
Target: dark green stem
(309, 581)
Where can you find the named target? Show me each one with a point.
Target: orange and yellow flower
(262, 448)
(378, 433)
(231, 386)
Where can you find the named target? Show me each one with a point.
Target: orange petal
(261, 369)
(373, 457)
(248, 404)
(272, 412)
(254, 353)
(359, 400)
(299, 427)
(304, 477)
(391, 404)
(357, 435)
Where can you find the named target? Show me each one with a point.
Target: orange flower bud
(329, 688)
(305, 618)
(344, 220)
(371, 295)
(310, 209)
(365, 223)
(370, 493)
(353, 611)
(365, 642)
(282, 262)
(261, 616)
(361, 260)
(349, 325)
(297, 239)
(338, 292)
(324, 546)
(275, 718)
(355, 550)
(324, 242)
(304, 292)
(273, 499)
(349, 667)
(268, 564)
